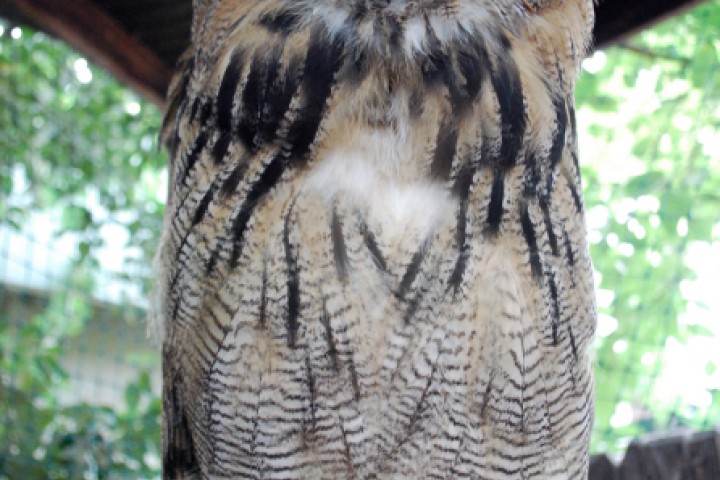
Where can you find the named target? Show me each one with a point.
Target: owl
(373, 263)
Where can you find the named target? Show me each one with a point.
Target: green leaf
(83, 250)
(132, 396)
(674, 204)
(705, 55)
(646, 183)
(76, 218)
(698, 331)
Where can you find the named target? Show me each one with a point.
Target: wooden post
(678, 456)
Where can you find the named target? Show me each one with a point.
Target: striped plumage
(374, 261)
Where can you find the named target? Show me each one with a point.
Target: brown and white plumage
(374, 261)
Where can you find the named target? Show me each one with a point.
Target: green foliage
(651, 157)
(77, 146)
(73, 140)
(42, 437)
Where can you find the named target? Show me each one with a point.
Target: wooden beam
(616, 20)
(89, 29)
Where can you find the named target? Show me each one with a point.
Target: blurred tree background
(79, 158)
(79, 165)
(649, 116)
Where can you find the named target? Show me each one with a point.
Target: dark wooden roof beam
(616, 20)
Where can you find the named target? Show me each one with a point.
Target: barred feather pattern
(374, 262)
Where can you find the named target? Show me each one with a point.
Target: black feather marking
(330, 338)
(532, 174)
(373, 247)
(434, 64)
(461, 230)
(445, 147)
(252, 102)
(339, 249)
(212, 261)
(416, 103)
(202, 111)
(267, 180)
(506, 83)
(194, 109)
(558, 142)
(569, 254)
(576, 197)
(576, 164)
(573, 121)
(458, 273)
(323, 60)
(360, 10)
(231, 183)
(552, 238)
(228, 86)
(177, 274)
(354, 377)
(262, 311)
(192, 157)
(459, 101)
(439, 68)
(203, 205)
(413, 270)
(412, 306)
(415, 419)
(178, 104)
(293, 283)
(555, 308)
(356, 67)
(495, 207)
(463, 182)
(487, 394)
(461, 189)
(284, 21)
(528, 230)
(281, 90)
(396, 32)
(179, 452)
(221, 146)
(266, 98)
(573, 345)
(471, 62)
(321, 65)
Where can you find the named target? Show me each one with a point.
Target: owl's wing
(373, 263)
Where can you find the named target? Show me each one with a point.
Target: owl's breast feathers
(374, 261)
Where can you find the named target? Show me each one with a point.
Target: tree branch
(652, 54)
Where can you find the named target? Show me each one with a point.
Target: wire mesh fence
(79, 380)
